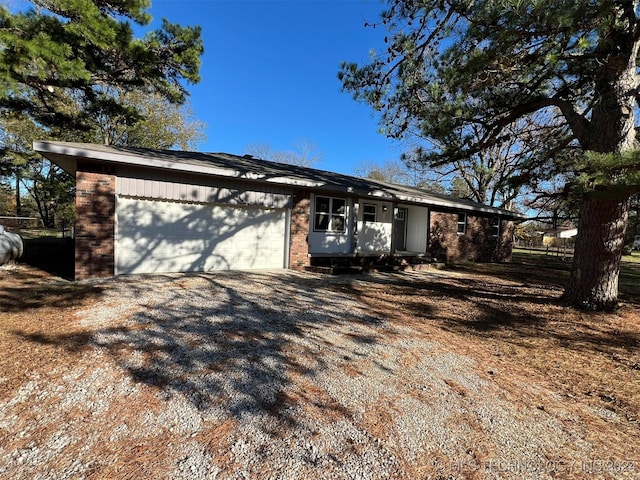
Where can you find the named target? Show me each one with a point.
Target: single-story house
(561, 233)
(151, 211)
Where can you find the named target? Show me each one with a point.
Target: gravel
(270, 375)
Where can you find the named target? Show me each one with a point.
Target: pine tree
(462, 74)
(65, 48)
(59, 61)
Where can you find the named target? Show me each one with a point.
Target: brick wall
(299, 234)
(95, 225)
(477, 244)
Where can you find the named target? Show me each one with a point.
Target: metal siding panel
(147, 190)
(121, 184)
(183, 192)
(130, 186)
(146, 183)
(139, 187)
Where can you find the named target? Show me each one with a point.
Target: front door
(400, 229)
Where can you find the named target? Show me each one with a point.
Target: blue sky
(269, 76)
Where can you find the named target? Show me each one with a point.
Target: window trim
(364, 213)
(331, 214)
(494, 227)
(462, 223)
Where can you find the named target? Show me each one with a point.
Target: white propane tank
(11, 246)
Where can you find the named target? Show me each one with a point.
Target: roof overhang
(67, 155)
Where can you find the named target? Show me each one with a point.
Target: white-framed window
(462, 223)
(369, 212)
(330, 214)
(494, 227)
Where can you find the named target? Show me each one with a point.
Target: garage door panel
(155, 236)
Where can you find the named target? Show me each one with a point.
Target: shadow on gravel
(220, 347)
(27, 288)
(74, 342)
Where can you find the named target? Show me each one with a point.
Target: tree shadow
(227, 349)
(27, 288)
(198, 238)
(490, 310)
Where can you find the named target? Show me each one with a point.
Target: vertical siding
(152, 184)
(417, 228)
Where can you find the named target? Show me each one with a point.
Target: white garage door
(160, 236)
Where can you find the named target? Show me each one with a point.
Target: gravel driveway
(272, 375)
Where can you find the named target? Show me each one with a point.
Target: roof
(66, 155)
(562, 232)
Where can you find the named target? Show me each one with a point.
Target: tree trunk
(593, 284)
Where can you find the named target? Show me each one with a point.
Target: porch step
(333, 270)
(353, 269)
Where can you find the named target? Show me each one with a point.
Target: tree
(401, 173)
(304, 154)
(634, 220)
(460, 188)
(16, 134)
(488, 175)
(156, 123)
(74, 71)
(461, 75)
(53, 191)
(63, 50)
(6, 199)
(554, 203)
(390, 172)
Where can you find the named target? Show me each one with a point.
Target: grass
(554, 270)
(31, 233)
(633, 257)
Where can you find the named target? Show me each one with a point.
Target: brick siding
(95, 225)
(299, 233)
(476, 244)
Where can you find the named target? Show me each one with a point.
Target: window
(369, 213)
(494, 228)
(462, 223)
(330, 214)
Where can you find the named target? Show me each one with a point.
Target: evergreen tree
(61, 62)
(461, 75)
(66, 50)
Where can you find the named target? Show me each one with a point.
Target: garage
(156, 236)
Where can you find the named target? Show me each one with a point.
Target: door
(400, 229)
(161, 236)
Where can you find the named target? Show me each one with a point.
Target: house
(555, 237)
(561, 239)
(145, 211)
